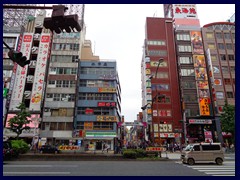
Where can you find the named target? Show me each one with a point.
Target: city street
(172, 167)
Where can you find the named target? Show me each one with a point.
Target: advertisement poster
(201, 74)
(204, 106)
(21, 73)
(197, 43)
(199, 61)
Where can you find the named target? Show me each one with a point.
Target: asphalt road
(97, 168)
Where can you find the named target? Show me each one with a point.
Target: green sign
(5, 91)
(101, 134)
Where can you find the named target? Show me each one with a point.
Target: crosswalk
(227, 169)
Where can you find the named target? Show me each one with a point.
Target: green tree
(228, 119)
(20, 122)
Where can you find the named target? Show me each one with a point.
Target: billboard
(39, 75)
(197, 43)
(185, 11)
(21, 73)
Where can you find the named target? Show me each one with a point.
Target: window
(162, 75)
(229, 94)
(192, 98)
(213, 57)
(223, 57)
(184, 48)
(227, 81)
(186, 60)
(219, 35)
(80, 125)
(220, 46)
(233, 36)
(227, 36)
(196, 148)
(229, 46)
(225, 69)
(51, 82)
(210, 147)
(209, 35)
(157, 53)
(231, 57)
(187, 72)
(183, 37)
(232, 69)
(157, 42)
(189, 85)
(211, 46)
(219, 95)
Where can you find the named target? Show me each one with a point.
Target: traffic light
(18, 58)
(59, 22)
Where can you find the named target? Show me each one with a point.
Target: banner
(39, 75)
(21, 73)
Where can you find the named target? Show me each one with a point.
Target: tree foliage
(20, 122)
(228, 119)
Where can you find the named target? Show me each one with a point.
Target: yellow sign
(107, 118)
(204, 107)
(111, 90)
(88, 125)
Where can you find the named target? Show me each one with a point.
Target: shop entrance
(98, 145)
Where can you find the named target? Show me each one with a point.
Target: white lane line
(216, 170)
(220, 173)
(220, 168)
(35, 173)
(26, 166)
(223, 175)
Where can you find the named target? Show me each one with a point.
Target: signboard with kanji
(21, 73)
(188, 11)
(204, 106)
(148, 149)
(39, 75)
(107, 118)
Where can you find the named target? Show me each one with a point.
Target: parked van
(203, 152)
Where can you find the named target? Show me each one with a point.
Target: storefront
(200, 130)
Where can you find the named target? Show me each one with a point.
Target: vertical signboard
(21, 73)
(37, 90)
(200, 73)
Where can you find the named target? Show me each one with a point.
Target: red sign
(45, 39)
(106, 104)
(27, 38)
(89, 111)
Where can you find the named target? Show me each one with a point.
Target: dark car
(7, 150)
(49, 149)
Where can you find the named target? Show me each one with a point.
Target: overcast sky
(117, 32)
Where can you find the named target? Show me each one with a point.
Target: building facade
(98, 105)
(161, 78)
(219, 45)
(27, 83)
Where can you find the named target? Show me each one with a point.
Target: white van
(203, 152)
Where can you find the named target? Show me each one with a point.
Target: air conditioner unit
(27, 94)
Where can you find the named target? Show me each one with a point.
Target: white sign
(39, 75)
(188, 11)
(21, 73)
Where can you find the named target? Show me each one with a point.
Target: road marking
(35, 173)
(28, 165)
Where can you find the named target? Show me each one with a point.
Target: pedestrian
(103, 148)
